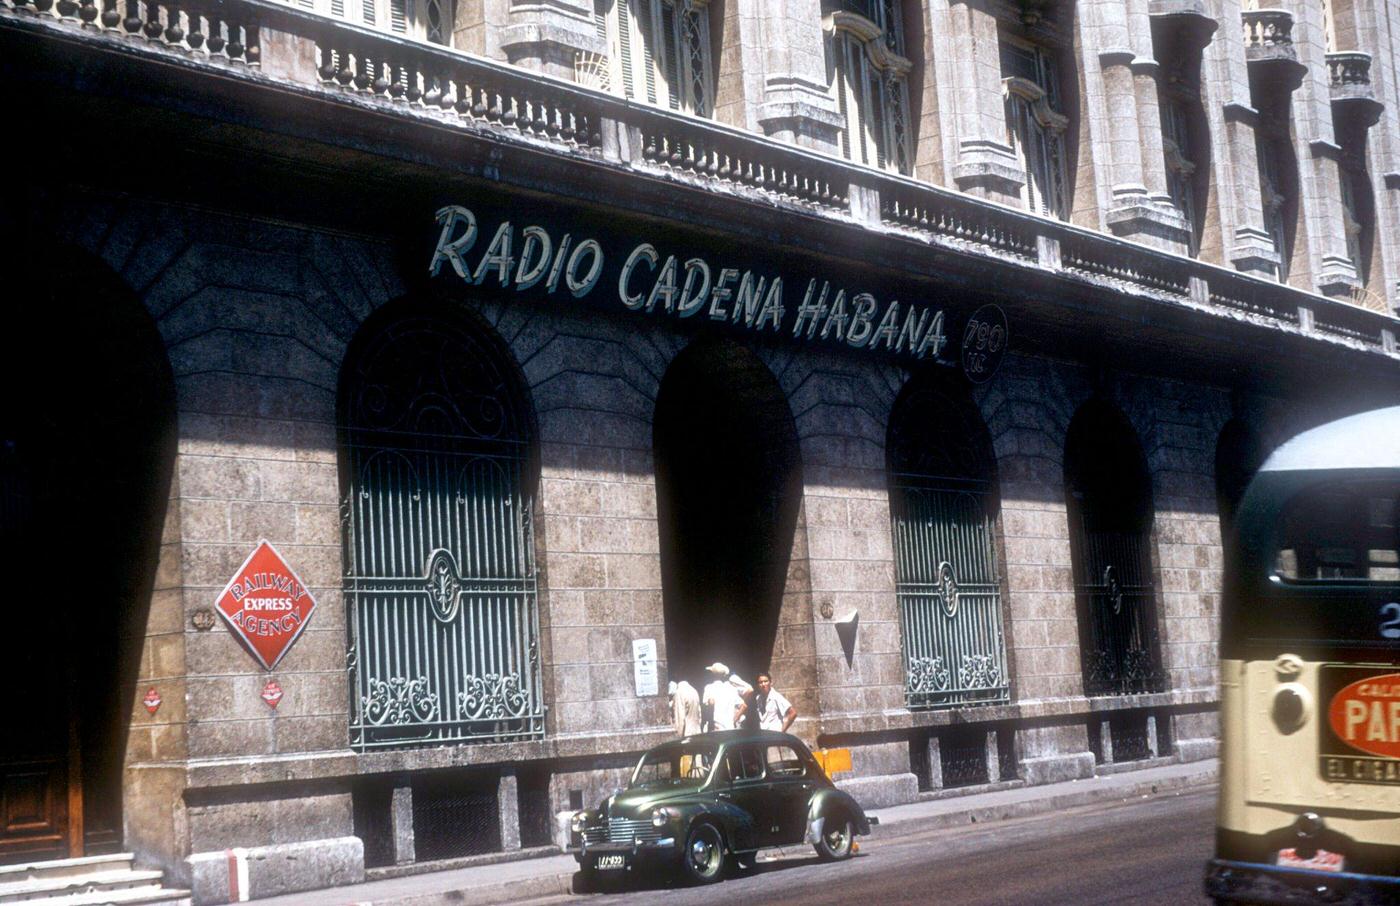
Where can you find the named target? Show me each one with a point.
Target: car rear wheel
(835, 842)
(703, 856)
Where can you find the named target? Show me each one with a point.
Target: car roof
(731, 737)
(1367, 440)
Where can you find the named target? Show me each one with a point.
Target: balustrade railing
(1349, 68)
(1267, 29)
(207, 28)
(317, 53)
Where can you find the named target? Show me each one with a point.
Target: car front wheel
(835, 841)
(703, 858)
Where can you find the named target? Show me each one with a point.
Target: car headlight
(659, 817)
(577, 823)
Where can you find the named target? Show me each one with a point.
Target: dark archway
(1109, 499)
(438, 471)
(729, 480)
(87, 428)
(943, 505)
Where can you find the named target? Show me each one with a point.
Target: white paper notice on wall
(644, 666)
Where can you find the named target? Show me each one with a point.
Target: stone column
(935, 764)
(783, 72)
(401, 820)
(1382, 37)
(977, 157)
(1232, 119)
(1120, 102)
(508, 810)
(993, 758)
(1326, 267)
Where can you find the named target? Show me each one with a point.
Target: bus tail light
(1291, 708)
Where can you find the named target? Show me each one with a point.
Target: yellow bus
(1310, 674)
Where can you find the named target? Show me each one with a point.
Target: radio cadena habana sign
(266, 605)
(685, 285)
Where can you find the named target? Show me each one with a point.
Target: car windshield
(675, 764)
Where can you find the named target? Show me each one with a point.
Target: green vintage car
(714, 799)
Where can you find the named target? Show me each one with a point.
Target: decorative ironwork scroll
(440, 575)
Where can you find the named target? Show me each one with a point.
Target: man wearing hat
(725, 696)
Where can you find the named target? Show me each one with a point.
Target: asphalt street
(1148, 851)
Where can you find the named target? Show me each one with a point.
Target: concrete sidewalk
(529, 879)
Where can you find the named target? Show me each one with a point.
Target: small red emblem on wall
(272, 693)
(266, 605)
(151, 700)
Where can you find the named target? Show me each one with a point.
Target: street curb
(1038, 806)
(485, 894)
(561, 883)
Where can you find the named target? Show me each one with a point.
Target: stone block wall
(257, 318)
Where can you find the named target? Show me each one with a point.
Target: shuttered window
(424, 20)
(1035, 126)
(1181, 169)
(868, 74)
(1273, 196)
(658, 52)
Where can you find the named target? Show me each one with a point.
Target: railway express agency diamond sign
(266, 605)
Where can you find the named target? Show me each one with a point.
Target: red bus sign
(1366, 715)
(266, 605)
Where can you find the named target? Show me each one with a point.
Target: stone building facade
(997, 306)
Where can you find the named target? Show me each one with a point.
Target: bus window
(1345, 532)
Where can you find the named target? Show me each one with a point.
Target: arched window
(943, 506)
(868, 74)
(437, 478)
(658, 52)
(423, 20)
(1109, 499)
(1035, 125)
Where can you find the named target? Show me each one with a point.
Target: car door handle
(723, 796)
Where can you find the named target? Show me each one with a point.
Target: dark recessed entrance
(86, 447)
(728, 486)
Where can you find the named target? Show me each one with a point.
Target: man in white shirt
(725, 697)
(775, 712)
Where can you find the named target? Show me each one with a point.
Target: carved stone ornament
(203, 619)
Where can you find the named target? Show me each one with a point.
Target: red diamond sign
(266, 605)
(272, 693)
(151, 701)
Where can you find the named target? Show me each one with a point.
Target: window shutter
(642, 15)
(671, 48)
(624, 46)
(398, 16)
(367, 8)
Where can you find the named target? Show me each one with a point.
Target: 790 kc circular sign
(984, 343)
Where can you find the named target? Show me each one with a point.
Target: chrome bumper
(1255, 882)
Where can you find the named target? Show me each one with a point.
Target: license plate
(610, 861)
(1322, 860)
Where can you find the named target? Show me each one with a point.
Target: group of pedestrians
(728, 702)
